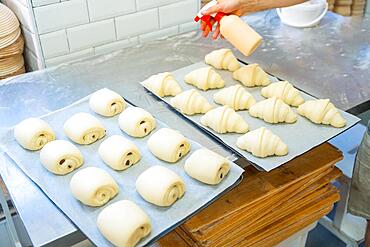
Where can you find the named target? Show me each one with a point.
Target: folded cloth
(61, 157)
(160, 186)
(33, 133)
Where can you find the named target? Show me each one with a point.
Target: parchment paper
(300, 136)
(163, 219)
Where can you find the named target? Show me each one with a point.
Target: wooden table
(266, 208)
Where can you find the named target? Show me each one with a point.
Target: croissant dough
(136, 122)
(33, 133)
(322, 111)
(84, 128)
(162, 84)
(168, 145)
(222, 59)
(119, 152)
(273, 110)
(93, 186)
(252, 75)
(223, 119)
(262, 143)
(284, 91)
(107, 102)
(61, 157)
(205, 78)
(160, 186)
(207, 166)
(124, 223)
(191, 102)
(234, 96)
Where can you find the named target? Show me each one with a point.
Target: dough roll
(207, 166)
(61, 157)
(136, 122)
(84, 128)
(33, 133)
(93, 186)
(168, 145)
(160, 186)
(107, 102)
(162, 84)
(119, 153)
(124, 223)
(222, 59)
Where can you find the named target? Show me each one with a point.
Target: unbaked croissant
(236, 97)
(262, 143)
(107, 102)
(124, 223)
(207, 166)
(83, 128)
(252, 75)
(162, 84)
(191, 102)
(205, 78)
(284, 91)
(223, 119)
(222, 59)
(168, 145)
(136, 122)
(160, 186)
(61, 157)
(322, 111)
(93, 186)
(33, 133)
(119, 152)
(273, 110)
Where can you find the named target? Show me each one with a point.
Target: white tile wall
(58, 31)
(54, 17)
(138, 23)
(54, 44)
(90, 35)
(177, 13)
(103, 9)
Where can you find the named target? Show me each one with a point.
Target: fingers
(207, 29)
(203, 25)
(216, 32)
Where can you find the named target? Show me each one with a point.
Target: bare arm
(243, 7)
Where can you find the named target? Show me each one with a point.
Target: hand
(232, 7)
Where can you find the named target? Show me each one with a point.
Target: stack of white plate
(11, 44)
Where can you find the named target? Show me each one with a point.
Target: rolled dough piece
(222, 59)
(322, 111)
(223, 119)
(273, 110)
(236, 97)
(107, 102)
(160, 186)
(252, 75)
(93, 186)
(191, 102)
(33, 133)
(136, 122)
(84, 128)
(168, 145)
(61, 157)
(262, 143)
(205, 78)
(162, 84)
(207, 166)
(124, 223)
(284, 91)
(119, 152)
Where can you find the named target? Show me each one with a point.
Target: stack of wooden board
(348, 7)
(358, 7)
(266, 208)
(11, 44)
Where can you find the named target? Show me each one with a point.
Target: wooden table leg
(367, 234)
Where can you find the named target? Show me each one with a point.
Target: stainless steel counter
(327, 62)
